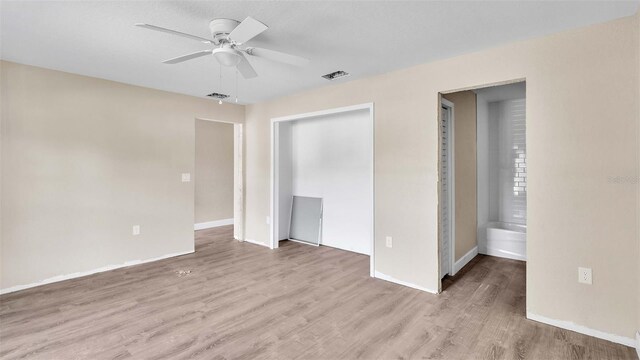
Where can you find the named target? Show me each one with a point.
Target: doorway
(482, 176)
(218, 189)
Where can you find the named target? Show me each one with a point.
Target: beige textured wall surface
(582, 101)
(214, 171)
(466, 220)
(638, 173)
(85, 159)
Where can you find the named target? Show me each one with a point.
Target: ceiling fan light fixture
(227, 56)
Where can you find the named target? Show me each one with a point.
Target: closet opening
(322, 179)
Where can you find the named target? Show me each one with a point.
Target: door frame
(451, 175)
(273, 220)
(473, 87)
(238, 176)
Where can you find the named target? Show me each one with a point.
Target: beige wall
(582, 101)
(466, 220)
(83, 160)
(214, 171)
(638, 174)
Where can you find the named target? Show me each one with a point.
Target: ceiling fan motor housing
(221, 28)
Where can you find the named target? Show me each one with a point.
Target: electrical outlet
(389, 240)
(584, 276)
(186, 177)
(136, 230)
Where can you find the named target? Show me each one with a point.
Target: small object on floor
(183, 272)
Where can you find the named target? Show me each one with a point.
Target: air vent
(218, 96)
(336, 74)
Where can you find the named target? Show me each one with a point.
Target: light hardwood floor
(242, 301)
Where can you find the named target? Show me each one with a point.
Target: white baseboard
(90, 272)
(251, 241)
(465, 260)
(381, 276)
(638, 343)
(568, 325)
(212, 224)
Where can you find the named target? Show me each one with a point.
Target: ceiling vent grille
(336, 74)
(218, 96)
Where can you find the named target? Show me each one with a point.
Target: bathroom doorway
(483, 176)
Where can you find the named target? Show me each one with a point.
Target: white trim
(485, 85)
(365, 106)
(273, 192)
(372, 257)
(219, 121)
(212, 224)
(464, 260)
(91, 272)
(251, 241)
(638, 343)
(381, 276)
(238, 182)
(304, 242)
(274, 211)
(568, 325)
(238, 177)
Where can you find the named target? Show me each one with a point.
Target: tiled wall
(514, 123)
(507, 162)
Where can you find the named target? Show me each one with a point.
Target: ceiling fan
(228, 35)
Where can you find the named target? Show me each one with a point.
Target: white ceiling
(97, 38)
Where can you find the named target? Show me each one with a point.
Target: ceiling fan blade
(178, 33)
(182, 58)
(245, 68)
(247, 30)
(278, 56)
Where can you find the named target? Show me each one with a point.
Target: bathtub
(507, 240)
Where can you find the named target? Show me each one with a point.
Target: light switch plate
(136, 230)
(584, 276)
(389, 241)
(186, 177)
